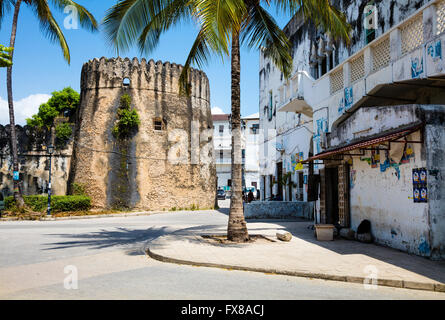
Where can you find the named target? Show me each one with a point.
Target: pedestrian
(250, 197)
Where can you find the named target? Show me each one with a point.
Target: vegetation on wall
(78, 189)
(127, 119)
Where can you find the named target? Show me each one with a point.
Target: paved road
(108, 254)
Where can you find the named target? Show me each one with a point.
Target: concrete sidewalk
(303, 256)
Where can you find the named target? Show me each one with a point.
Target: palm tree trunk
(237, 229)
(15, 162)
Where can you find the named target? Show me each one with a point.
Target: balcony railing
(400, 54)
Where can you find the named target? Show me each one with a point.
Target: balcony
(392, 69)
(291, 94)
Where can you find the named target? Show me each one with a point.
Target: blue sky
(39, 67)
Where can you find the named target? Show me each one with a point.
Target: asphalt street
(41, 260)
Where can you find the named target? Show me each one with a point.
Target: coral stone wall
(33, 160)
(152, 169)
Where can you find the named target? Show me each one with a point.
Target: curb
(113, 215)
(435, 287)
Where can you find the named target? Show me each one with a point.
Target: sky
(40, 69)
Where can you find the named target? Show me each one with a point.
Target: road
(38, 259)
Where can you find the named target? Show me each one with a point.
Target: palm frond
(50, 27)
(202, 48)
(86, 19)
(173, 13)
(222, 16)
(261, 30)
(323, 14)
(129, 21)
(5, 7)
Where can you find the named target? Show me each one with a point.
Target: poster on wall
(420, 188)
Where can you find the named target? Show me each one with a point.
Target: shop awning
(392, 136)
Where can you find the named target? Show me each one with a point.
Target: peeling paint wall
(381, 184)
(435, 158)
(384, 196)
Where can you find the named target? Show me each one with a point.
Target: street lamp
(50, 152)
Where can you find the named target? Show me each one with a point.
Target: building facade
(367, 121)
(222, 138)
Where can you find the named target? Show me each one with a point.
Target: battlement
(158, 76)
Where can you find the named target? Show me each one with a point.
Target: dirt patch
(222, 239)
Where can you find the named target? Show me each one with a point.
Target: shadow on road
(133, 241)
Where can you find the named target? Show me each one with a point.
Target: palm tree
(55, 34)
(224, 26)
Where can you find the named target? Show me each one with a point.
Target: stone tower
(168, 163)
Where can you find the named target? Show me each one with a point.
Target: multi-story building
(222, 138)
(366, 119)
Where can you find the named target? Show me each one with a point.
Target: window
(221, 154)
(270, 106)
(255, 128)
(243, 153)
(126, 82)
(158, 124)
(229, 183)
(221, 129)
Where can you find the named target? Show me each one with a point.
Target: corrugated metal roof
(389, 136)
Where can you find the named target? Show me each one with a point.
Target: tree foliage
(142, 22)
(60, 102)
(5, 57)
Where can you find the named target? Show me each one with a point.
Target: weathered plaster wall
(386, 199)
(435, 158)
(383, 192)
(278, 210)
(33, 161)
(152, 170)
(390, 13)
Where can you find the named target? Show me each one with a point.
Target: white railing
(393, 45)
(381, 53)
(412, 34)
(337, 80)
(440, 17)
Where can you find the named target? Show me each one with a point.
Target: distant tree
(60, 102)
(5, 57)
(51, 30)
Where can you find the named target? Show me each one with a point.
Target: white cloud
(217, 110)
(23, 109)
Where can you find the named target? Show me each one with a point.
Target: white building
(222, 139)
(368, 119)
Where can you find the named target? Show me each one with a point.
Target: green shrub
(58, 203)
(64, 132)
(78, 189)
(127, 119)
